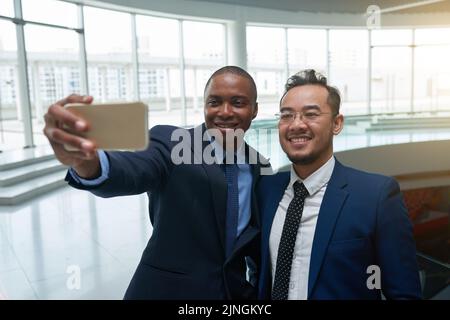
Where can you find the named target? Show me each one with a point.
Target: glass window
(159, 75)
(53, 68)
(7, 8)
(348, 68)
(7, 38)
(266, 59)
(204, 52)
(108, 47)
(196, 78)
(204, 41)
(391, 79)
(432, 78)
(431, 69)
(265, 45)
(391, 37)
(432, 36)
(51, 12)
(154, 43)
(11, 126)
(307, 50)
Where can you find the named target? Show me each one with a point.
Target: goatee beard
(302, 160)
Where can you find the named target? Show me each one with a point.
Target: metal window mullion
(84, 80)
(182, 74)
(227, 39)
(328, 52)
(413, 50)
(49, 25)
(369, 73)
(286, 53)
(23, 76)
(135, 57)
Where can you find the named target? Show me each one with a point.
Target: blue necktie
(231, 174)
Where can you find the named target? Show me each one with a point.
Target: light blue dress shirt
(104, 165)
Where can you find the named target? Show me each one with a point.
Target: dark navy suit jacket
(185, 256)
(362, 222)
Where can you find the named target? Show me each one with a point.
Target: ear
(255, 110)
(338, 124)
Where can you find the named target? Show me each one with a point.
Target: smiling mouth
(226, 125)
(302, 139)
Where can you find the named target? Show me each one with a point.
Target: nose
(298, 121)
(226, 110)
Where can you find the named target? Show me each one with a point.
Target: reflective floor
(47, 242)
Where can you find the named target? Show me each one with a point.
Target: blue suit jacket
(185, 256)
(362, 222)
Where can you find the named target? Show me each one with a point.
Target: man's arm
(133, 173)
(129, 172)
(94, 181)
(395, 246)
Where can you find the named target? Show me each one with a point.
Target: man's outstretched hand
(85, 161)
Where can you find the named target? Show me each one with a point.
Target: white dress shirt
(316, 184)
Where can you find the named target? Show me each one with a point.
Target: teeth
(299, 139)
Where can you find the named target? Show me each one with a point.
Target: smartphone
(113, 126)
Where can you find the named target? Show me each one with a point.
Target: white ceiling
(343, 6)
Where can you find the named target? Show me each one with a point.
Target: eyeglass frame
(302, 115)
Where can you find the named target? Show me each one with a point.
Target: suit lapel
(257, 164)
(330, 209)
(253, 228)
(218, 188)
(275, 194)
(273, 189)
(216, 180)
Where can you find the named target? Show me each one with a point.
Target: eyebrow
(286, 109)
(213, 96)
(307, 107)
(240, 97)
(216, 96)
(311, 106)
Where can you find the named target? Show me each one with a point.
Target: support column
(24, 96)
(194, 96)
(369, 72)
(135, 59)
(237, 43)
(84, 84)
(413, 58)
(182, 67)
(36, 90)
(167, 93)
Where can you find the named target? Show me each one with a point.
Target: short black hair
(237, 71)
(312, 77)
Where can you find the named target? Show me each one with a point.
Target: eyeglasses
(305, 116)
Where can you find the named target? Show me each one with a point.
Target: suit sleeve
(104, 166)
(395, 246)
(132, 173)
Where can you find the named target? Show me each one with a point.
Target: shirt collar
(317, 179)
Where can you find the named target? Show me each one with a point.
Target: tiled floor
(45, 242)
